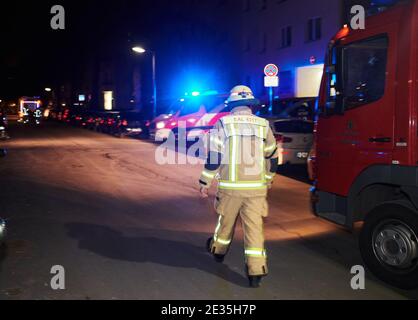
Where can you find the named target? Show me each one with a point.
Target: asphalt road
(124, 227)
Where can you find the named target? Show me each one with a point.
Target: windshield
(209, 103)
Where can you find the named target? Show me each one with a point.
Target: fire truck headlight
(161, 125)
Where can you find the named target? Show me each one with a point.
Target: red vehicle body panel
(343, 146)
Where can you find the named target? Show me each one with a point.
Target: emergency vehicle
(366, 165)
(194, 115)
(30, 110)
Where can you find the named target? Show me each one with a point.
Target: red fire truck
(366, 156)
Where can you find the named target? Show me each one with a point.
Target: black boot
(255, 281)
(218, 257)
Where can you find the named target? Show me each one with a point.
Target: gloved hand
(204, 192)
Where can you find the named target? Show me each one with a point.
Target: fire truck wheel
(389, 245)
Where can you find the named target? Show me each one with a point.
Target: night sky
(33, 56)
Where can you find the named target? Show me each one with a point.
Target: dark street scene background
(84, 108)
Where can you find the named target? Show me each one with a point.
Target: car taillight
(283, 139)
(124, 123)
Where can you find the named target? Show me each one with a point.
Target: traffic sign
(271, 70)
(312, 60)
(270, 82)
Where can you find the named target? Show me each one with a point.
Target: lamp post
(140, 50)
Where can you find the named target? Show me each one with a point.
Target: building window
(222, 3)
(314, 31)
(286, 37)
(263, 42)
(246, 44)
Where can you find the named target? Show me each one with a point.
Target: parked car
(130, 123)
(3, 153)
(107, 121)
(3, 126)
(294, 140)
(2, 230)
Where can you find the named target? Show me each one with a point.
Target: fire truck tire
(389, 245)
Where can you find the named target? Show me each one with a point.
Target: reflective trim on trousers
(216, 238)
(221, 241)
(255, 252)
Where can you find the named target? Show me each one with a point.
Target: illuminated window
(108, 100)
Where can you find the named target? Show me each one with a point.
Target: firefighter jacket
(242, 155)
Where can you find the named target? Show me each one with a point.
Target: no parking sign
(271, 70)
(271, 79)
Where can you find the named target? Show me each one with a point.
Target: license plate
(302, 155)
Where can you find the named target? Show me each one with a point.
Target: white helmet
(241, 96)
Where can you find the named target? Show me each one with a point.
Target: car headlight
(161, 125)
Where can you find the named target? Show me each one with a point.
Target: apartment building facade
(293, 34)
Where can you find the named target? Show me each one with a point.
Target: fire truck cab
(366, 151)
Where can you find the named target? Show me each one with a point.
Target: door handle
(380, 140)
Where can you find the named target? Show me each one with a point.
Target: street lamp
(138, 50)
(48, 89)
(141, 50)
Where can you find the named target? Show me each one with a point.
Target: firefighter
(242, 156)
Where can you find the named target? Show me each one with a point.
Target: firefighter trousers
(251, 211)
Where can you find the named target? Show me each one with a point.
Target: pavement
(124, 227)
